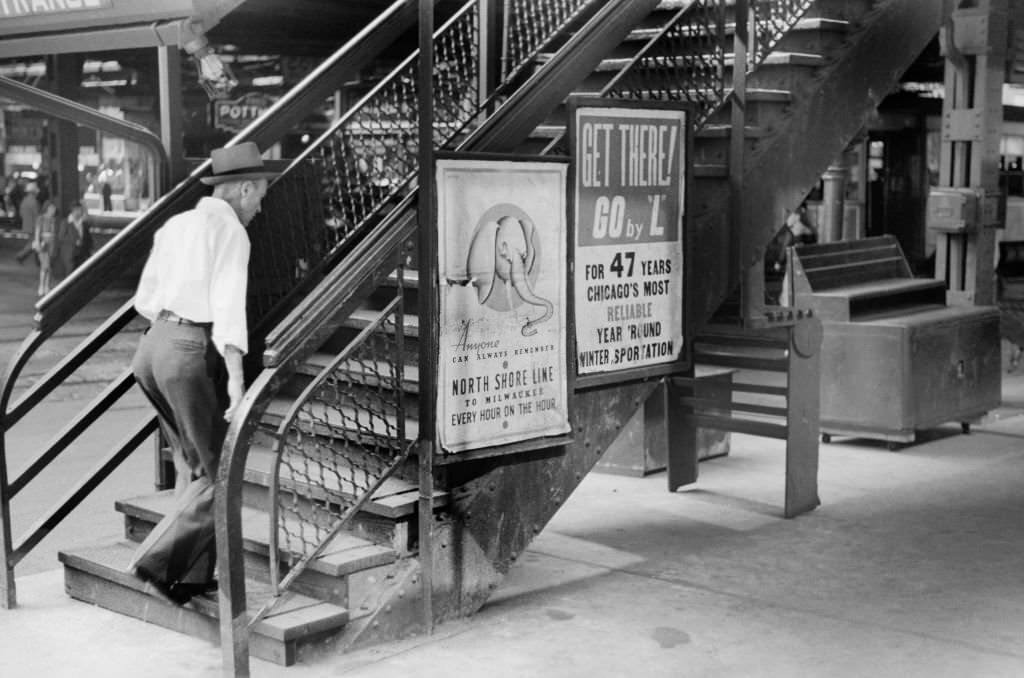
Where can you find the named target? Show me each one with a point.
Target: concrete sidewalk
(911, 568)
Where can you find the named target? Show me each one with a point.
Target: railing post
(491, 21)
(802, 416)
(749, 273)
(428, 337)
(8, 593)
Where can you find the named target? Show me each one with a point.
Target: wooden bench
(848, 280)
(895, 358)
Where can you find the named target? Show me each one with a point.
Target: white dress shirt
(198, 269)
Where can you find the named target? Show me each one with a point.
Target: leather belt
(172, 317)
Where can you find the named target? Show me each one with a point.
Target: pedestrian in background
(44, 243)
(78, 220)
(28, 212)
(193, 290)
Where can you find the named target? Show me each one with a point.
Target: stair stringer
(498, 506)
(829, 114)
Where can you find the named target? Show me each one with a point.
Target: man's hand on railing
(236, 383)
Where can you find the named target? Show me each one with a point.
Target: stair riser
(360, 393)
(841, 10)
(760, 113)
(393, 533)
(787, 77)
(112, 596)
(386, 293)
(344, 336)
(847, 10)
(812, 41)
(716, 151)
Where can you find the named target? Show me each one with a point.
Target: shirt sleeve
(228, 282)
(145, 295)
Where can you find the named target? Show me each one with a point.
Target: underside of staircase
(807, 100)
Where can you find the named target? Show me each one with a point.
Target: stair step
(316, 363)
(362, 318)
(785, 59)
(331, 422)
(773, 59)
(805, 24)
(395, 498)
(722, 131)
(345, 554)
(97, 575)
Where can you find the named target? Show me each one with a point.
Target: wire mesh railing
(529, 25)
(684, 62)
(687, 60)
(772, 19)
(341, 439)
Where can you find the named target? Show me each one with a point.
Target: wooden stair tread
(773, 59)
(805, 24)
(345, 554)
(316, 363)
(395, 498)
(295, 617)
(334, 420)
(362, 318)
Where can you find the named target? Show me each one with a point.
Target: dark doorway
(897, 189)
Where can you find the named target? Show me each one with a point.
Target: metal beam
(122, 37)
(46, 17)
(66, 109)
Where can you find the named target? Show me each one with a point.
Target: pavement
(910, 568)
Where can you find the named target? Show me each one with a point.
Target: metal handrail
(128, 248)
(397, 444)
(80, 114)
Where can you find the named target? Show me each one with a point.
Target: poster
(630, 197)
(502, 360)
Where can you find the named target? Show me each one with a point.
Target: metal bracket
(967, 124)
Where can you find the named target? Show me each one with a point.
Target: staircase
(328, 531)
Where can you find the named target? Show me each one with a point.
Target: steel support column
(171, 106)
(975, 43)
(831, 226)
(429, 329)
(66, 79)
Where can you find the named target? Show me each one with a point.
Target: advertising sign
(630, 197)
(235, 114)
(502, 364)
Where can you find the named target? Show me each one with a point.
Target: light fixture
(215, 76)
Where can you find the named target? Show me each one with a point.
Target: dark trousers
(181, 373)
(183, 376)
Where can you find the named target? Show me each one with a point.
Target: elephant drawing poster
(503, 274)
(630, 198)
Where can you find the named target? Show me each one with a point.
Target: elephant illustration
(506, 250)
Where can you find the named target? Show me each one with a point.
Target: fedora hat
(237, 163)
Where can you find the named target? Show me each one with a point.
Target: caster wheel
(826, 438)
(892, 446)
(965, 427)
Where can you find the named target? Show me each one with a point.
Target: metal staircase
(319, 506)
